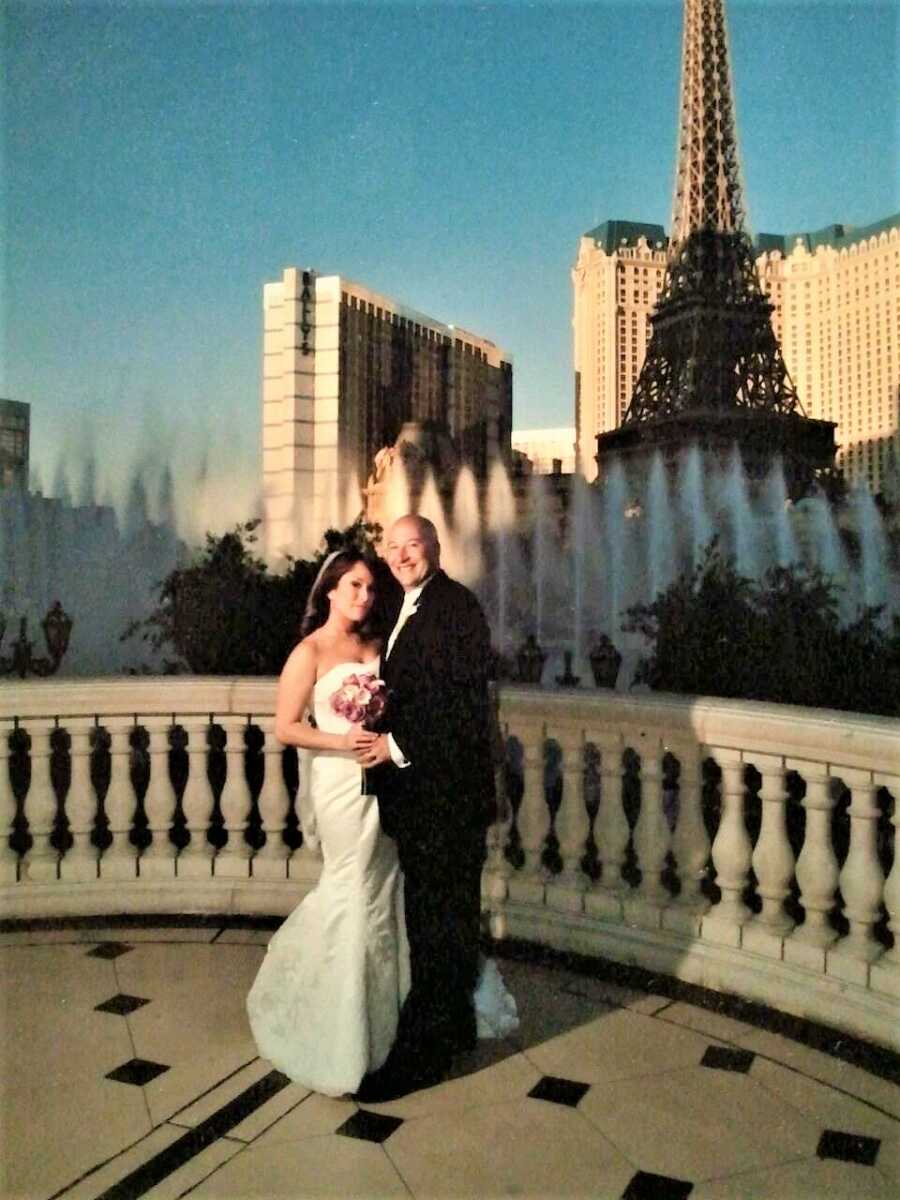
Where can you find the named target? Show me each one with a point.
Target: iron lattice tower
(714, 372)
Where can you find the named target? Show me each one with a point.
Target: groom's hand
(373, 755)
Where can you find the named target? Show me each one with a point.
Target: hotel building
(344, 369)
(15, 427)
(836, 298)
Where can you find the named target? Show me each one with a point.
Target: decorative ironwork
(57, 626)
(708, 190)
(714, 372)
(712, 345)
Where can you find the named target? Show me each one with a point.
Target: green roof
(611, 234)
(836, 235)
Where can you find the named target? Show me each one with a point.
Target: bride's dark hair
(331, 572)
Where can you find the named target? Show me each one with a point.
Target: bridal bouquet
(360, 699)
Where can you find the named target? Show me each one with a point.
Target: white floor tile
(323, 1166)
(811, 1179)
(618, 1045)
(698, 1123)
(529, 1148)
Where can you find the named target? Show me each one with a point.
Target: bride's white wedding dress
(325, 1003)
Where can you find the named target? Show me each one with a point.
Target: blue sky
(163, 160)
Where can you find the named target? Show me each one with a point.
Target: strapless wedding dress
(325, 1004)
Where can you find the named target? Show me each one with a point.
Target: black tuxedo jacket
(438, 711)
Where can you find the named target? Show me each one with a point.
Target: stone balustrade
(743, 846)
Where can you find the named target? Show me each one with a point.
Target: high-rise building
(15, 426)
(344, 369)
(836, 299)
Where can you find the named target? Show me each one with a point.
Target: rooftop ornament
(530, 660)
(57, 626)
(567, 679)
(605, 661)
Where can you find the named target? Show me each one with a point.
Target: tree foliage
(714, 632)
(226, 613)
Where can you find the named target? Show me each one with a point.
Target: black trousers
(442, 896)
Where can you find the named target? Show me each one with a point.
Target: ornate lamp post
(57, 626)
(605, 661)
(530, 661)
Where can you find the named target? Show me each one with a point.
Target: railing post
(158, 860)
(885, 973)
(861, 883)
(80, 860)
(42, 860)
(610, 830)
(730, 854)
(528, 885)
(120, 858)
(773, 860)
(233, 860)
(690, 844)
(197, 803)
(652, 838)
(9, 860)
(566, 891)
(817, 871)
(274, 801)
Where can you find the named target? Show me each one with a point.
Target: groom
(434, 780)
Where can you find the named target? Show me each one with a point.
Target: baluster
(120, 858)
(731, 852)
(652, 838)
(610, 831)
(773, 859)
(495, 877)
(861, 883)
(817, 871)
(9, 860)
(40, 806)
(567, 890)
(80, 860)
(158, 860)
(533, 819)
(233, 860)
(690, 844)
(305, 865)
(885, 973)
(198, 801)
(271, 861)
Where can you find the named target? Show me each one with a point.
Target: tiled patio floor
(129, 1070)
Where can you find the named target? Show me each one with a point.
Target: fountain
(560, 581)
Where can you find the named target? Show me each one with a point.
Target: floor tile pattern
(121, 1004)
(848, 1147)
(650, 1090)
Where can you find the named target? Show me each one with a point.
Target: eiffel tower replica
(714, 375)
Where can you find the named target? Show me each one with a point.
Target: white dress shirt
(407, 608)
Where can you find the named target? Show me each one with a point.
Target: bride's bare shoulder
(304, 657)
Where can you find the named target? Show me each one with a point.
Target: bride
(325, 1004)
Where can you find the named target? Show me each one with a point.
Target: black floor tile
(848, 1147)
(559, 1091)
(109, 950)
(647, 1186)
(370, 1126)
(137, 1071)
(724, 1058)
(121, 1004)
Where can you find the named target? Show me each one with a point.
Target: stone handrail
(740, 845)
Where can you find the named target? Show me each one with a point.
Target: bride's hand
(357, 738)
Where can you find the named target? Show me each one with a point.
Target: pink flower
(359, 699)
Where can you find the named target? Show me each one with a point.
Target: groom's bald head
(413, 550)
